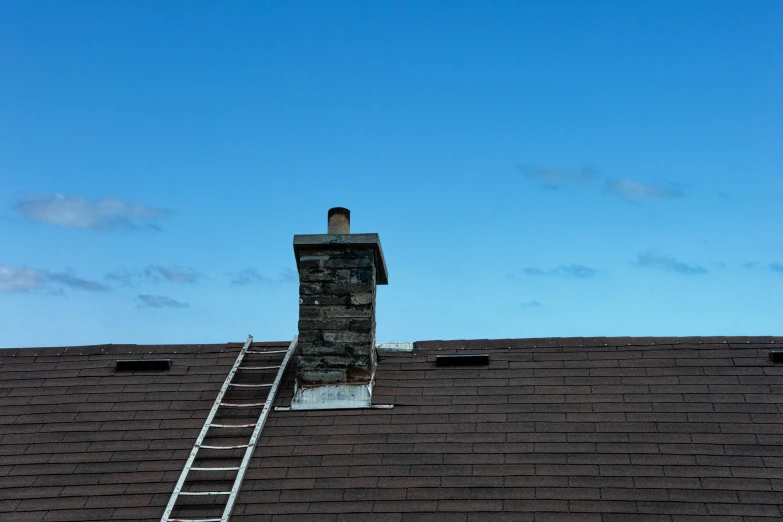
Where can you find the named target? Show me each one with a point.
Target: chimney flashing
(333, 397)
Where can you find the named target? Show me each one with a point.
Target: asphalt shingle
(592, 429)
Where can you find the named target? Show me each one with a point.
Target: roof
(600, 429)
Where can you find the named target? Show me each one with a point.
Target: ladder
(259, 375)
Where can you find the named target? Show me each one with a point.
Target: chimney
(338, 273)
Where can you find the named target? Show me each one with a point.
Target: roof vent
(462, 360)
(776, 356)
(143, 365)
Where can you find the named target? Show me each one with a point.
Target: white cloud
(29, 279)
(20, 279)
(81, 212)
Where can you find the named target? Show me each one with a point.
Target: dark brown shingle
(592, 429)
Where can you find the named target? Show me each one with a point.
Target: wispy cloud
(553, 177)
(633, 190)
(174, 274)
(70, 280)
(755, 265)
(159, 301)
(155, 274)
(125, 277)
(82, 212)
(572, 270)
(27, 279)
(20, 279)
(250, 276)
(655, 259)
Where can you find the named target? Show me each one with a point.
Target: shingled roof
(600, 429)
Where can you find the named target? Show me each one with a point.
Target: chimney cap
(339, 221)
(339, 210)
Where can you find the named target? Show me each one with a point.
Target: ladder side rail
(203, 433)
(257, 431)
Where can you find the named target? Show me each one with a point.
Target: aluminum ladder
(215, 428)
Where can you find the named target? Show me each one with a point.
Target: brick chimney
(338, 273)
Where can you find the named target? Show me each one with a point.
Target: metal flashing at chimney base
(333, 396)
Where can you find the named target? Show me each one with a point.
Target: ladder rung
(194, 493)
(215, 469)
(267, 353)
(252, 405)
(225, 447)
(241, 369)
(232, 425)
(195, 520)
(250, 385)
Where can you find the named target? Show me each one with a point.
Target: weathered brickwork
(336, 315)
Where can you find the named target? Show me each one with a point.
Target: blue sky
(533, 168)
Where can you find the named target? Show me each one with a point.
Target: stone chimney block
(338, 275)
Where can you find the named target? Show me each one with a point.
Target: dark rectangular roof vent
(143, 365)
(776, 356)
(462, 360)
